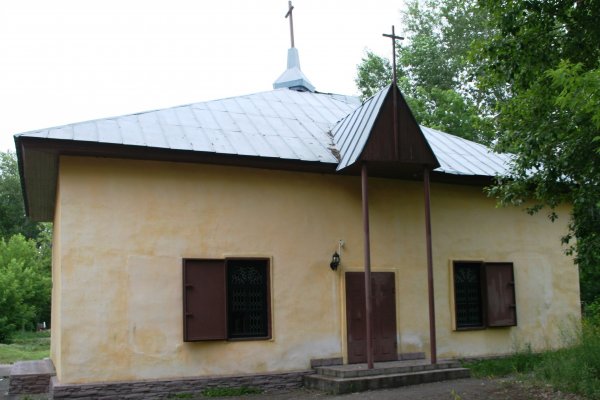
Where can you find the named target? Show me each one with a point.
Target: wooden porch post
(367, 246)
(432, 340)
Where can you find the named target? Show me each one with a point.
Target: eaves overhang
(39, 159)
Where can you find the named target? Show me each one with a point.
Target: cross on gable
(289, 14)
(394, 88)
(394, 38)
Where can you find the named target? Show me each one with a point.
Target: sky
(65, 61)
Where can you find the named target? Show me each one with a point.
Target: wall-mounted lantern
(336, 259)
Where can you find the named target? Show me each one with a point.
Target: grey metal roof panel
(350, 135)
(281, 147)
(87, 130)
(204, 115)
(61, 133)
(178, 140)
(346, 99)
(265, 107)
(219, 142)
(460, 156)
(240, 143)
(168, 116)
(217, 105)
(197, 137)
(184, 116)
(108, 131)
(131, 125)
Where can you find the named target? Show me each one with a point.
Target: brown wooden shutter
(204, 300)
(500, 292)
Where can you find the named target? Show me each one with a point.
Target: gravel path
(460, 389)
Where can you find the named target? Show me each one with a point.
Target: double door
(383, 296)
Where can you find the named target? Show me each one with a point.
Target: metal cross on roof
(394, 86)
(289, 14)
(394, 38)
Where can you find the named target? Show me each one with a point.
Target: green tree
(373, 73)
(525, 73)
(25, 257)
(433, 68)
(545, 57)
(25, 284)
(12, 211)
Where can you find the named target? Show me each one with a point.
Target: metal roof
(350, 134)
(281, 123)
(459, 156)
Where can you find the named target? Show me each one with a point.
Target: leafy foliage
(545, 55)
(524, 76)
(373, 73)
(25, 285)
(12, 212)
(433, 68)
(592, 312)
(25, 258)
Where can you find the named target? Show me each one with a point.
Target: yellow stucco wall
(55, 329)
(124, 227)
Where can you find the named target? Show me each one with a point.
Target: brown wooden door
(383, 296)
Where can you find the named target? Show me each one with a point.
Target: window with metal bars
(247, 298)
(468, 295)
(484, 294)
(226, 299)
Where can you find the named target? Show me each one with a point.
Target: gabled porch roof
(367, 134)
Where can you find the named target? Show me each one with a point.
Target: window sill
(470, 328)
(246, 339)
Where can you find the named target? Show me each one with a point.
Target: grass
(573, 369)
(26, 346)
(521, 362)
(223, 392)
(218, 392)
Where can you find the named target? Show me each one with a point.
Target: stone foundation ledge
(326, 362)
(30, 377)
(418, 355)
(160, 389)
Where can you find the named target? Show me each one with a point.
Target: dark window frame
(506, 299)
(200, 332)
(231, 263)
(482, 295)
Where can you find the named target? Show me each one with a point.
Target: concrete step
(30, 377)
(387, 368)
(337, 385)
